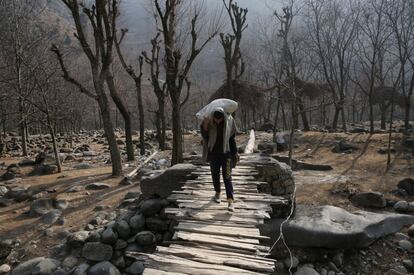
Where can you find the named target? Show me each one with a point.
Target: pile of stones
(109, 242)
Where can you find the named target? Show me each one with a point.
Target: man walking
(219, 131)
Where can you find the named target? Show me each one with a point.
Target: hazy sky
(139, 21)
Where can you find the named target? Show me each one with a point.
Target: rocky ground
(42, 213)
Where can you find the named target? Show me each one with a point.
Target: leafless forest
(309, 65)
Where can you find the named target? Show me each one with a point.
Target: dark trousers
(222, 161)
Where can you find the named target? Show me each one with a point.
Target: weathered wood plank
(234, 181)
(176, 264)
(238, 243)
(152, 271)
(211, 258)
(220, 223)
(197, 204)
(221, 230)
(207, 213)
(223, 253)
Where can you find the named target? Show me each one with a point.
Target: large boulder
(334, 227)
(164, 182)
(103, 268)
(407, 185)
(369, 200)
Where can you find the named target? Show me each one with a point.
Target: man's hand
(237, 158)
(205, 123)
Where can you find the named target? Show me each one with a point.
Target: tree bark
(121, 106)
(303, 115)
(23, 127)
(161, 116)
(177, 154)
(141, 116)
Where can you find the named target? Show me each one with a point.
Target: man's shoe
(217, 198)
(231, 206)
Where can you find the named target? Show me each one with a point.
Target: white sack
(229, 106)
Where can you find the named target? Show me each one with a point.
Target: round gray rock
(103, 268)
(123, 229)
(97, 252)
(137, 222)
(136, 268)
(408, 185)
(145, 238)
(151, 207)
(109, 236)
(305, 270)
(405, 244)
(4, 269)
(77, 239)
(369, 199)
(411, 231)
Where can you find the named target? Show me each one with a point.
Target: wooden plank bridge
(208, 238)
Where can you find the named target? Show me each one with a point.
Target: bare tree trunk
(121, 106)
(371, 115)
(275, 121)
(141, 116)
(305, 122)
(161, 115)
(383, 111)
(390, 130)
(177, 154)
(22, 127)
(336, 117)
(343, 118)
(407, 113)
(55, 147)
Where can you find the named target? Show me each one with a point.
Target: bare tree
(176, 68)
(370, 45)
(102, 17)
(137, 77)
(400, 15)
(235, 66)
(159, 90)
(333, 26)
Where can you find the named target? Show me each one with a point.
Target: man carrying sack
(218, 130)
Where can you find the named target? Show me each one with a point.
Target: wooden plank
(242, 195)
(223, 253)
(176, 264)
(211, 188)
(239, 199)
(235, 182)
(152, 271)
(210, 258)
(221, 223)
(207, 213)
(242, 244)
(221, 230)
(211, 205)
(218, 248)
(223, 239)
